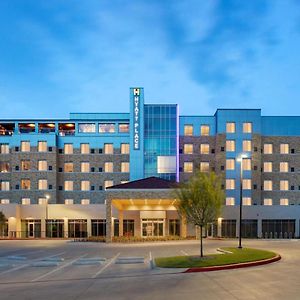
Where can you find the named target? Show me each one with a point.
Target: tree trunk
(201, 242)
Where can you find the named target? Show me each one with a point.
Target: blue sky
(67, 56)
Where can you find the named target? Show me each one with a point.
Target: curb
(234, 266)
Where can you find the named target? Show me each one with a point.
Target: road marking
(14, 269)
(57, 269)
(184, 253)
(106, 266)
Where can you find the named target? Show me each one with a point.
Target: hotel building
(112, 174)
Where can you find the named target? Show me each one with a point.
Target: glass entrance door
(31, 229)
(152, 227)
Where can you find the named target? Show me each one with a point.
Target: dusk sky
(60, 56)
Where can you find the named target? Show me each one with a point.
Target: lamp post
(47, 200)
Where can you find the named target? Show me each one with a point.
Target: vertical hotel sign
(136, 122)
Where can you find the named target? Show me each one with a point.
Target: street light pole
(241, 203)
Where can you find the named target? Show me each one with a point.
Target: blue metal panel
(281, 126)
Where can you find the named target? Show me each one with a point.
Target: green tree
(2, 222)
(200, 200)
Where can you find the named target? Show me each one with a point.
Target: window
(108, 149)
(5, 186)
(85, 201)
(124, 148)
(268, 167)
(25, 201)
(68, 148)
(188, 148)
(166, 164)
(68, 185)
(230, 127)
(204, 149)
(268, 185)
(68, 167)
(268, 201)
(268, 148)
(25, 165)
(25, 146)
(85, 185)
(230, 201)
(230, 164)
(246, 184)
(230, 184)
(69, 201)
(107, 128)
(4, 149)
(108, 183)
(123, 128)
(246, 201)
(125, 167)
(108, 167)
(284, 167)
(4, 167)
(188, 167)
(4, 201)
(43, 184)
(246, 164)
(284, 185)
(284, 148)
(204, 166)
(230, 145)
(42, 165)
(42, 146)
(43, 201)
(284, 201)
(25, 184)
(85, 148)
(188, 130)
(85, 167)
(204, 130)
(247, 145)
(247, 127)
(86, 127)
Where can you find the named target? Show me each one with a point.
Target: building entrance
(153, 227)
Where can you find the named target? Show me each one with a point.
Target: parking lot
(32, 269)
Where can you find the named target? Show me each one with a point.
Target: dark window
(128, 227)
(292, 169)
(100, 150)
(50, 149)
(292, 151)
(98, 227)
(17, 149)
(255, 168)
(222, 187)
(100, 169)
(100, 188)
(255, 149)
(17, 187)
(174, 227)
(92, 151)
(229, 228)
(292, 187)
(255, 186)
(50, 186)
(212, 151)
(180, 151)
(50, 168)
(180, 169)
(222, 149)
(60, 169)
(60, 150)
(92, 169)
(17, 168)
(92, 188)
(222, 168)
(60, 188)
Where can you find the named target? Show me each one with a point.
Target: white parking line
(184, 253)
(106, 266)
(14, 269)
(57, 269)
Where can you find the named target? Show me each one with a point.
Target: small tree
(2, 222)
(200, 200)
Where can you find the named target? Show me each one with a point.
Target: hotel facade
(112, 174)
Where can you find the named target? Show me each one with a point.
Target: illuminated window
(247, 145)
(284, 201)
(188, 130)
(4, 167)
(230, 127)
(68, 167)
(166, 164)
(268, 167)
(108, 183)
(268, 148)
(42, 201)
(268, 185)
(230, 145)
(42, 146)
(247, 201)
(25, 184)
(204, 166)
(188, 167)
(204, 149)
(25, 165)
(4, 186)
(25, 146)
(247, 127)
(284, 148)
(85, 185)
(85, 201)
(107, 128)
(230, 164)
(25, 201)
(246, 184)
(284, 167)
(268, 201)
(43, 184)
(68, 185)
(230, 201)
(108, 149)
(5, 201)
(246, 164)
(85, 167)
(42, 165)
(230, 184)
(125, 167)
(204, 130)
(4, 149)
(123, 128)
(108, 167)
(86, 127)
(124, 148)
(69, 201)
(85, 148)
(284, 185)
(68, 148)
(188, 148)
